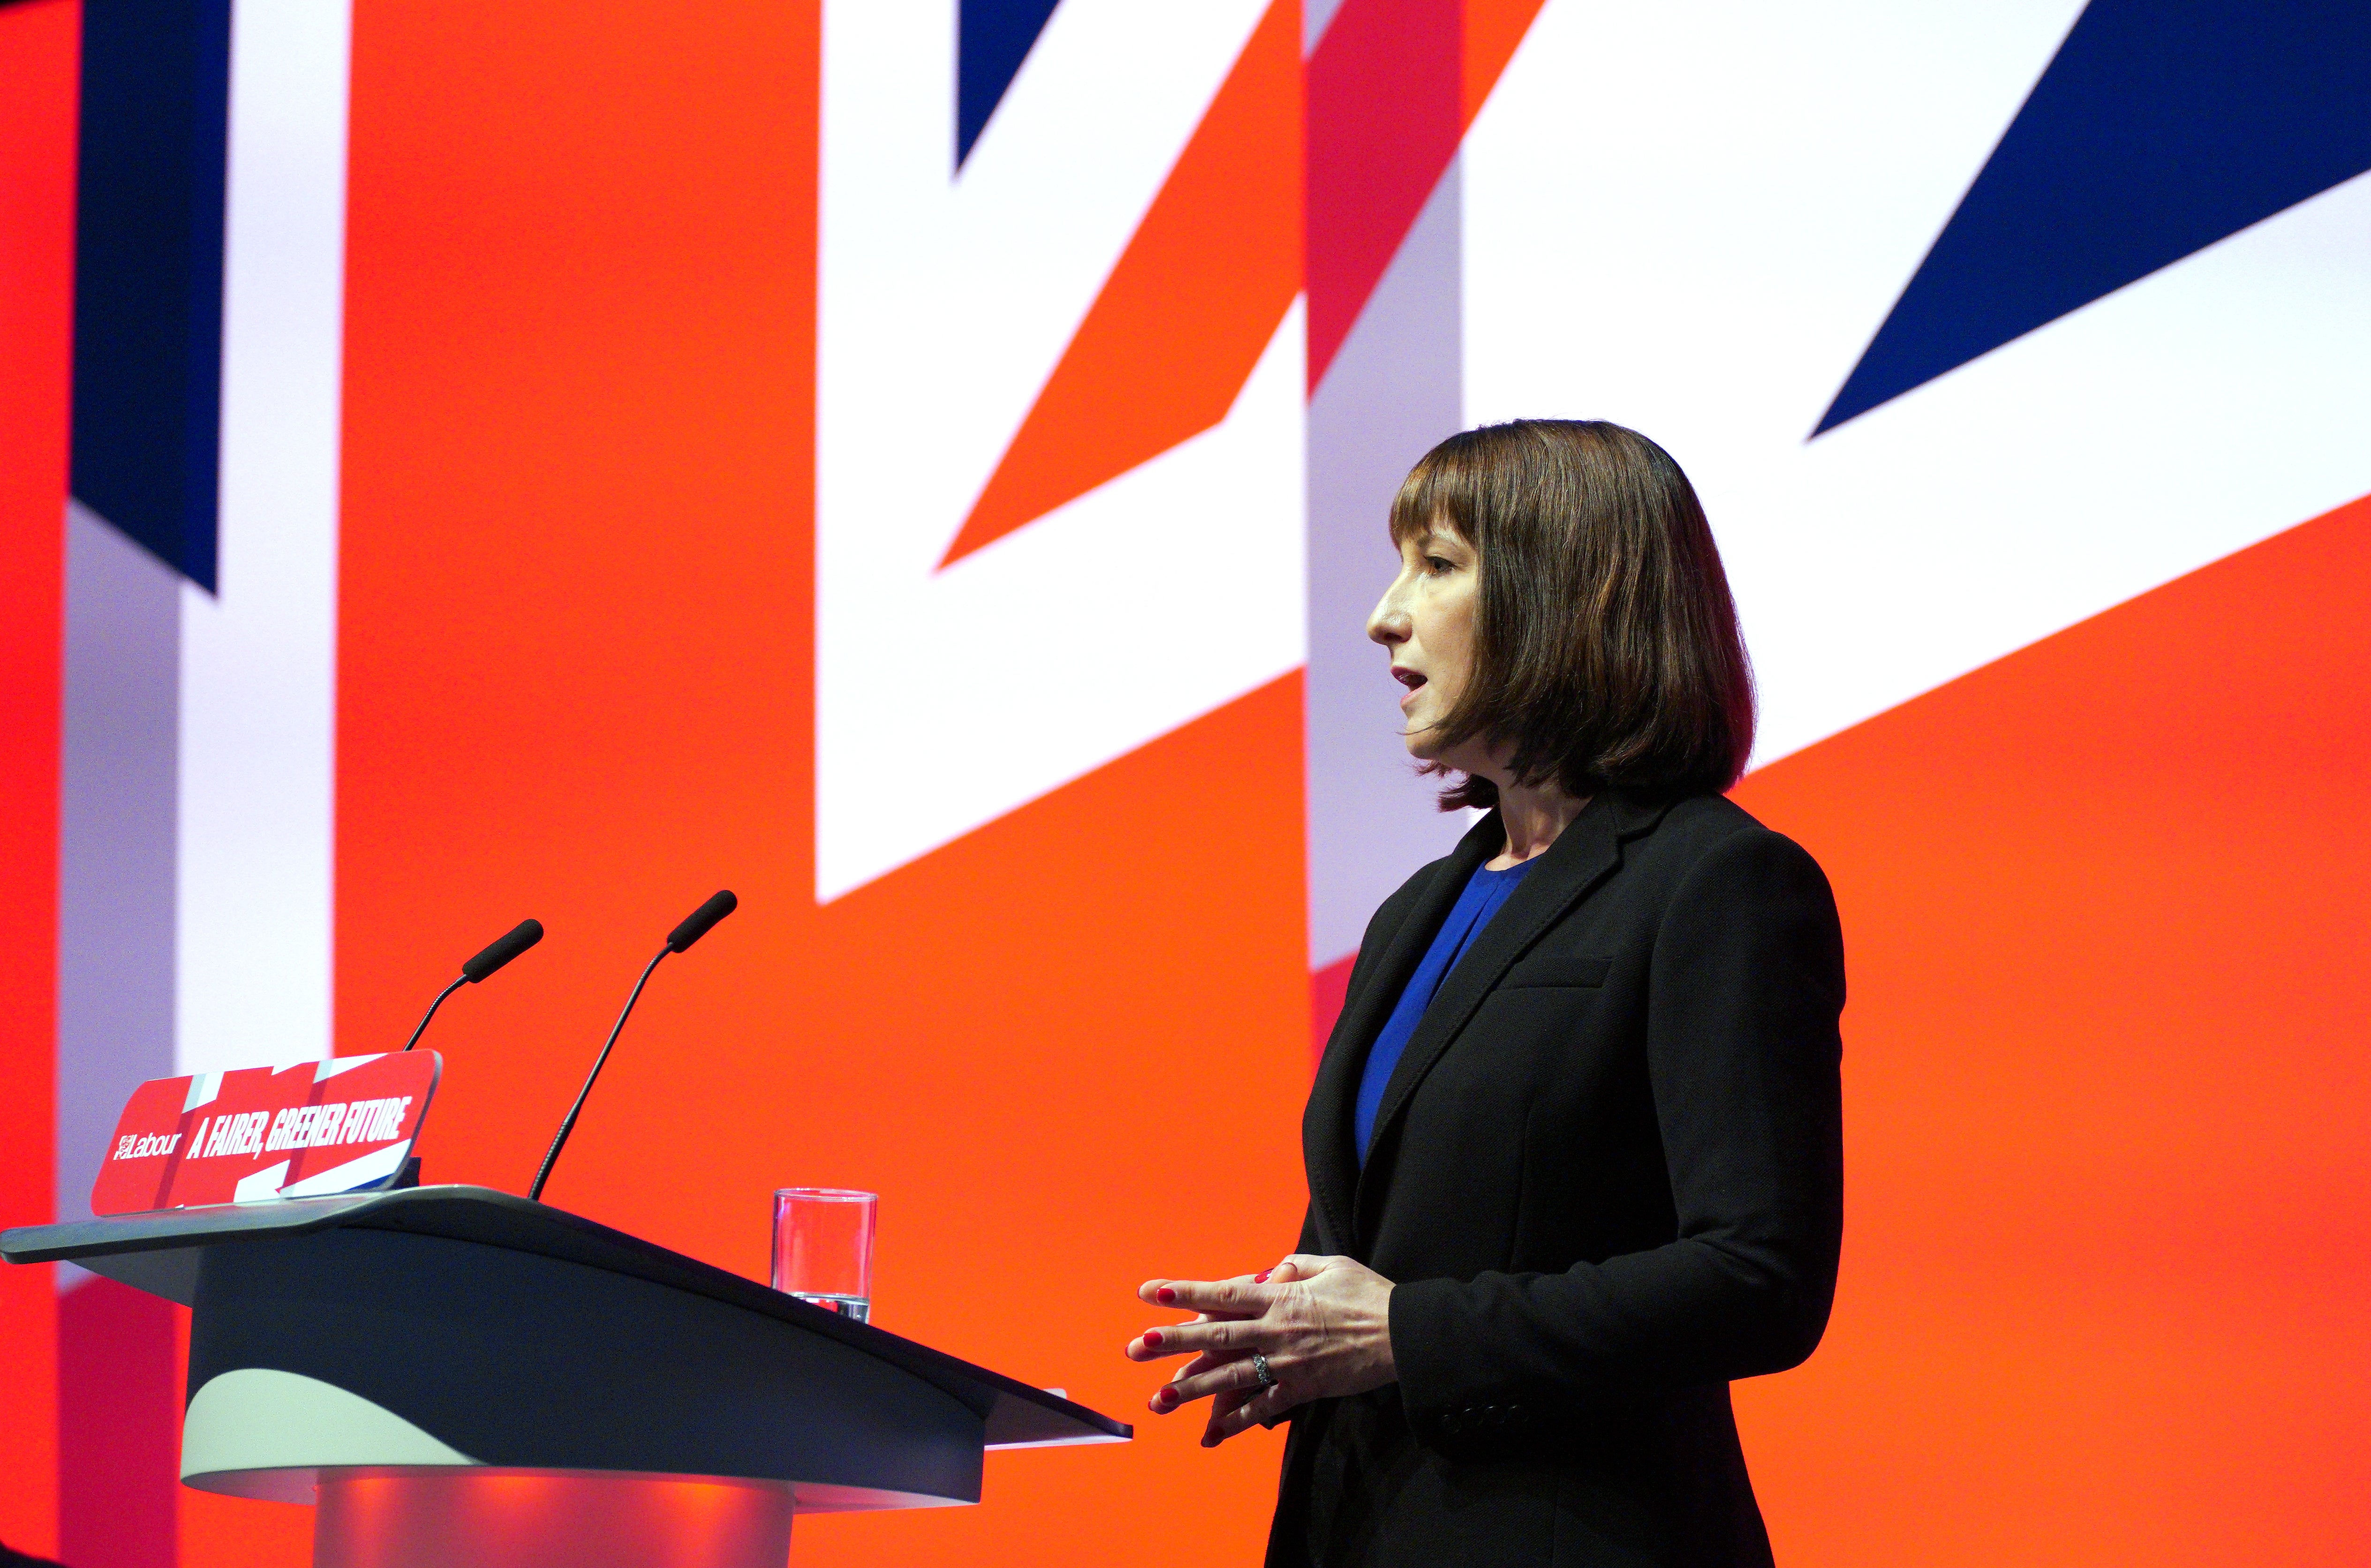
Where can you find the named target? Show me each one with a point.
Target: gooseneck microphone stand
(695, 926)
(458, 983)
(568, 1123)
(504, 948)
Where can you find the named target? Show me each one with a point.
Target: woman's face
(1426, 622)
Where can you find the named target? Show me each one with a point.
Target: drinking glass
(823, 1248)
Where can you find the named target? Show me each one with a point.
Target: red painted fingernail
(1152, 1337)
(1164, 1296)
(1261, 1277)
(1166, 1396)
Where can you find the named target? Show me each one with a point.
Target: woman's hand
(1322, 1323)
(1229, 1401)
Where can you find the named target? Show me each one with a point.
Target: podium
(460, 1377)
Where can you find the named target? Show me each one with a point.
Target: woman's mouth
(1410, 679)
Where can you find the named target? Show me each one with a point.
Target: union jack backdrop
(923, 463)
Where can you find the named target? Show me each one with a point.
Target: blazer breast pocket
(1559, 970)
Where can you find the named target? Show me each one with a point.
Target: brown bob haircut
(1606, 651)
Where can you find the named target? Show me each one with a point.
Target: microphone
(504, 948)
(695, 926)
(508, 946)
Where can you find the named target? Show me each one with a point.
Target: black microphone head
(695, 924)
(508, 946)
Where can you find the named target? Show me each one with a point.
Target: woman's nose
(1389, 624)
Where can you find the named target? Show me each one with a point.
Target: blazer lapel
(1584, 855)
(1328, 1147)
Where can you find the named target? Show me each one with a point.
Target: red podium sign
(261, 1133)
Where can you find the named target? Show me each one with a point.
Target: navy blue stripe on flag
(148, 273)
(2161, 127)
(993, 38)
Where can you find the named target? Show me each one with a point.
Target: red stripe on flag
(120, 1433)
(1392, 88)
(1493, 30)
(1187, 312)
(40, 55)
(1194, 298)
(1386, 110)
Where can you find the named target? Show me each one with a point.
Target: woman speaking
(1574, 1151)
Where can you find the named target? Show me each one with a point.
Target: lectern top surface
(158, 1252)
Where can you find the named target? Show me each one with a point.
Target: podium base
(503, 1518)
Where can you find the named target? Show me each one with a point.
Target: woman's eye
(1439, 564)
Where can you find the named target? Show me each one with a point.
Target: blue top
(1481, 899)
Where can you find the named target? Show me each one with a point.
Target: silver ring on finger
(1265, 1378)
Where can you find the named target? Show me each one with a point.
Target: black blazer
(1607, 1179)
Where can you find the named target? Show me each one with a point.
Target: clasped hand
(1324, 1324)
